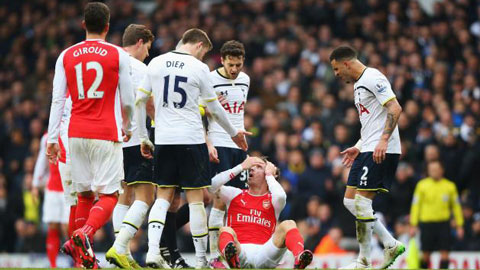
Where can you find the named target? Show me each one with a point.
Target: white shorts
(67, 183)
(96, 165)
(55, 209)
(261, 256)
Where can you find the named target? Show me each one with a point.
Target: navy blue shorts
(229, 158)
(185, 166)
(137, 168)
(367, 175)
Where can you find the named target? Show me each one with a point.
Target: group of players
(102, 95)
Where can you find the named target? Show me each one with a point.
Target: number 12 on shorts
(363, 179)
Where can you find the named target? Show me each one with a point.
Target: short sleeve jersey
(235, 92)
(178, 81)
(372, 91)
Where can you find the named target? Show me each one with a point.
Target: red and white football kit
(253, 218)
(97, 76)
(55, 209)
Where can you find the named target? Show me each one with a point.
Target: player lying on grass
(252, 237)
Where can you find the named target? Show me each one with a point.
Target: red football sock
(71, 220)
(100, 214)
(53, 245)
(224, 239)
(294, 241)
(84, 205)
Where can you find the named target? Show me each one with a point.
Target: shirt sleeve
(227, 194)
(279, 197)
(455, 203)
(40, 172)
(206, 86)
(144, 90)
(222, 178)
(126, 87)
(383, 90)
(415, 208)
(59, 96)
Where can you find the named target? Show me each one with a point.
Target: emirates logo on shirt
(266, 204)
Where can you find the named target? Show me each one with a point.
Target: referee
(434, 200)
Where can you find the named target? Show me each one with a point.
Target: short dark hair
(134, 32)
(343, 53)
(96, 16)
(232, 48)
(195, 35)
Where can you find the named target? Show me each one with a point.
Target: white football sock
(199, 229)
(118, 215)
(364, 223)
(378, 227)
(132, 221)
(156, 222)
(215, 222)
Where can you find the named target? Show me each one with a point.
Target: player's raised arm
(279, 197)
(222, 178)
(126, 94)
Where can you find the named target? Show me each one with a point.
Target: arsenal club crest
(266, 204)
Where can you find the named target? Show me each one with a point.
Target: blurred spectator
(330, 243)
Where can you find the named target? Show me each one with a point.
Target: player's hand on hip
(380, 151)
(349, 155)
(126, 135)
(147, 147)
(53, 152)
(240, 139)
(212, 153)
(249, 162)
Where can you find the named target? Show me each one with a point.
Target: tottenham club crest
(266, 204)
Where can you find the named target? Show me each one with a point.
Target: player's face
(233, 65)
(143, 50)
(342, 70)
(256, 174)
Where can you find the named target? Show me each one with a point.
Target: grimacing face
(233, 65)
(342, 70)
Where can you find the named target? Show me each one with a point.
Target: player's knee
(226, 229)
(350, 205)
(363, 208)
(218, 204)
(287, 225)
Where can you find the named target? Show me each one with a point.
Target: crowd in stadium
(300, 115)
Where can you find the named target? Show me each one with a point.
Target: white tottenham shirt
(177, 80)
(372, 91)
(139, 71)
(235, 92)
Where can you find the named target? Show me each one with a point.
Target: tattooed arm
(393, 113)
